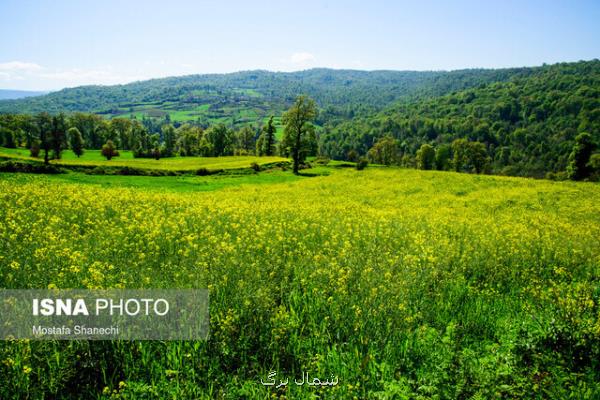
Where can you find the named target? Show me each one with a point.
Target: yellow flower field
(403, 283)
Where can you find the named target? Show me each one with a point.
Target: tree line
(52, 134)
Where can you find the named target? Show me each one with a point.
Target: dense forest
(536, 122)
(528, 124)
(343, 92)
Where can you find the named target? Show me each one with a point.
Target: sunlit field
(126, 159)
(402, 283)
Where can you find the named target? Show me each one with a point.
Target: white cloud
(302, 57)
(17, 66)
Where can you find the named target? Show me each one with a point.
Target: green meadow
(125, 159)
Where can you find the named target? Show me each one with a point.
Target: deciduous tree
(299, 132)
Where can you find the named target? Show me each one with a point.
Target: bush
(255, 167)
(352, 156)
(96, 171)
(205, 172)
(31, 168)
(34, 151)
(322, 160)
(130, 171)
(361, 163)
(127, 171)
(109, 150)
(557, 176)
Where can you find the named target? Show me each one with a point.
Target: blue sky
(48, 45)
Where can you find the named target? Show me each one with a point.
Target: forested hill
(527, 123)
(244, 96)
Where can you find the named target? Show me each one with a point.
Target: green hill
(528, 123)
(253, 95)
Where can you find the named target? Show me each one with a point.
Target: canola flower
(385, 277)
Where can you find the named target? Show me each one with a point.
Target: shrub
(361, 163)
(32, 168)
(353, 156)
(109, 150)
(204, 172)
(255, 167)
(322, 160)
(34, 151)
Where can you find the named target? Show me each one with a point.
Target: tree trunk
(296, 154)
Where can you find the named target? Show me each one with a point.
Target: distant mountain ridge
(9, 94)
(259, 93)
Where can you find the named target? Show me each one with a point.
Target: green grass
(174, 184)
(95, 158)
(238, 114)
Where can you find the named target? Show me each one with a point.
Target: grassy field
(249, 111)
(126, 159)
(405, 284)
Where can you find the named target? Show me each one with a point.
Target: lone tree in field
(76, 141)
(109, 150)
(299, 132)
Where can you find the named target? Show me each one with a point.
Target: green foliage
(469, 156)
(578, 168)
(526, 118)
(76, 141)
(58, 140)
(34, 150)
(362, 163)
(442, 157)
(169, 137)
(244, 141)
(44, 127)
(594, 166)
(109, 150)
(29, 167)
(425, 157)
(352, 156)
(266, 143)
(220, 140)
(528, 123)
(255, 167)
(385, 151)
(234, 98)
(7, 138)
(299, 139)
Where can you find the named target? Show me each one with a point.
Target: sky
(48, 45)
